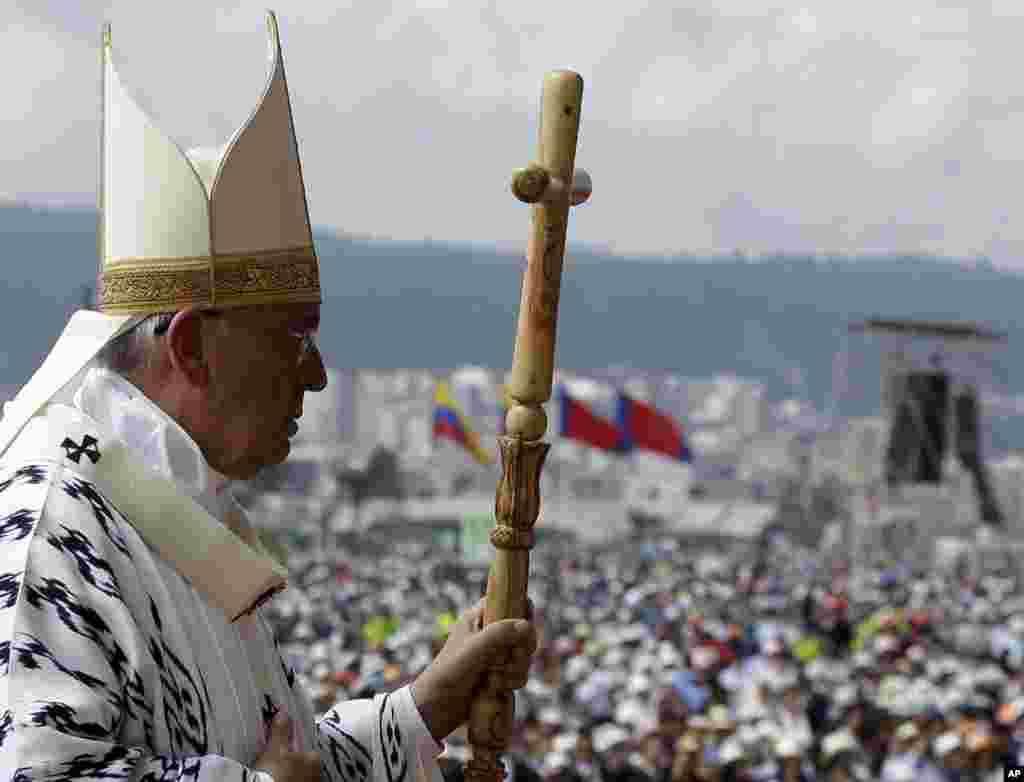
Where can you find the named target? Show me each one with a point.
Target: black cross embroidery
(88, 447)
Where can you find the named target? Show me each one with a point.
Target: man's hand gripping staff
(552, 185)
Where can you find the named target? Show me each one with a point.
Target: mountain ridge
(390, 304)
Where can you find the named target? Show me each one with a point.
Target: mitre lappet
(222, 227)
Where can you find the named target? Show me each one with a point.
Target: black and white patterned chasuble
(113, 666)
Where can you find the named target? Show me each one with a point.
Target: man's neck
(161, 442)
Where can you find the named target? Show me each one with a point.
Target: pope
(132, 644)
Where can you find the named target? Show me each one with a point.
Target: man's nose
(315, 375)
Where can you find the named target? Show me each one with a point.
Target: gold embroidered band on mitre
(145, 285)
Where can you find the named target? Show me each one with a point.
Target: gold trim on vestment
(145, 285)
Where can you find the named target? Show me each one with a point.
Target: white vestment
(131, 640)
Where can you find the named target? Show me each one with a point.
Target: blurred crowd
(671, 661)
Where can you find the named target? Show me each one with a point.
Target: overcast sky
(710, 126)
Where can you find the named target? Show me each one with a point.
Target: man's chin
(249, 470)
(278, 457)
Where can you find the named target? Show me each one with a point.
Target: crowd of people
(675, 661)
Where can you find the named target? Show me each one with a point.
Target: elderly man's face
(258, 375)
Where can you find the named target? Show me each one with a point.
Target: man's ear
(186, 348)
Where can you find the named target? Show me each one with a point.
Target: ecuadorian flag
(450, 423)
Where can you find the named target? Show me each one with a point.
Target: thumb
(495, 643)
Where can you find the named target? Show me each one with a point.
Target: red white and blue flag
(579, 422)
(645, 427)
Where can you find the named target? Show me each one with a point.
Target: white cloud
(42, 116)
(923, 105)
(866, 126)
(805, 21)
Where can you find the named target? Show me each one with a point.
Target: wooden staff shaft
(534, 358)
(548, 185)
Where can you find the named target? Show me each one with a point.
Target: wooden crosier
(551, 185)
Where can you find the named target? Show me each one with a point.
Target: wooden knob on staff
(534, 184)
(582, 187)
(531, 183)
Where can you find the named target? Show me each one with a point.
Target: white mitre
(215, 228)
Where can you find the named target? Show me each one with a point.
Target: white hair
(131, 350)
